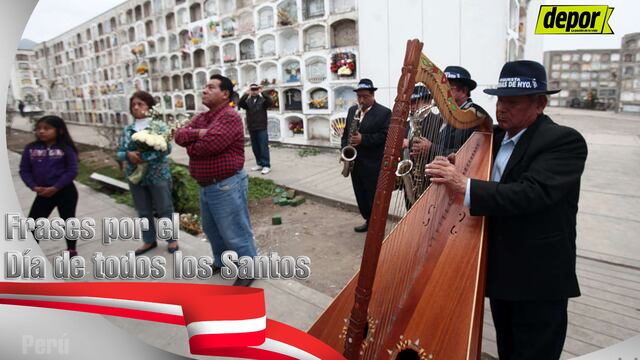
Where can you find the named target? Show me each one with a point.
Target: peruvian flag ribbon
(220, 320)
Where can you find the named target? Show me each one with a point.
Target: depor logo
(570, 19)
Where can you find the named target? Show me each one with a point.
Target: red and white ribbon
(220, 320)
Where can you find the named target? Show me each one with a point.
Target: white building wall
(534, 47)
(468, 33)
(15, 89)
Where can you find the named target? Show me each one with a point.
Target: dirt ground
(321, 232)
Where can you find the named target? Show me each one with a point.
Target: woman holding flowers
(145, 152)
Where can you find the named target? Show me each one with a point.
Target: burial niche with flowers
(343, 65)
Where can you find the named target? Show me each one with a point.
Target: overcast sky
(53, 17)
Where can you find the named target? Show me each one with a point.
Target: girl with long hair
(48, 166)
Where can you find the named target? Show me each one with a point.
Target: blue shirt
(499, 163)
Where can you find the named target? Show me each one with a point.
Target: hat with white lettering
(460, 74)
(420, 92)
(365, 84)
(522, 77)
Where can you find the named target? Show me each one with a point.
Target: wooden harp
(419, 294)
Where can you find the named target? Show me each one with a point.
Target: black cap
(522, 77)
(460, 74)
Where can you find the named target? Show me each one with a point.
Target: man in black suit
(531, 202)
(369, 141)
(448, 139)
(438, 137)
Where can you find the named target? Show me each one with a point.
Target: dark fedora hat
(522, 77)
(461, 74)
(420, 91)
(365, 84)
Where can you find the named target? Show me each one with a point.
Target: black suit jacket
(532, 214)
(450, 139)
(373, 127)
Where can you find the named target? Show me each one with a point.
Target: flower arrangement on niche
(296, 127)
(343, 64)
(142, 69)
(197, 36)
(213, 26)
(283, 18)
(320, 103)
(138, 50)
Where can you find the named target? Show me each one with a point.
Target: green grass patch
(308, 152)
(85, 171)
(260, 188)
(185, 190)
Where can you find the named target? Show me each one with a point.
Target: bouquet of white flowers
(155, 141)
(156, 137)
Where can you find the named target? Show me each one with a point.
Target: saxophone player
(368, 140)
(434, 137)
(423, 126)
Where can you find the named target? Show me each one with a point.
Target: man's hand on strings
(442, 171)
(356, 139)
(420, 146)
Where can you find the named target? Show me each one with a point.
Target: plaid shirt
(218, 154)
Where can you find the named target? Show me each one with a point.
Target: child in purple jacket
(48, 167)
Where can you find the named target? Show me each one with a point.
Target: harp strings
(419, 233)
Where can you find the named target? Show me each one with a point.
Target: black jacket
(256, 108)
(450, 139)
(532, 214)
(373, 127)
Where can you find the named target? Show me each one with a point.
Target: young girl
(152, 195)
(48, 167)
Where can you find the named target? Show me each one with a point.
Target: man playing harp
(531, 201)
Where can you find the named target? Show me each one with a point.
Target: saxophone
(349, 153)
(409, 171)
